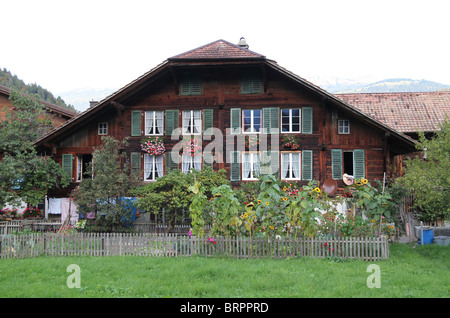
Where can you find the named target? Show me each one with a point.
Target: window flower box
(153, 145)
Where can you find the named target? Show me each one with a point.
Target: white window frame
(252, 121)
(189, 121)
(150, 166)
(255, 162)
(79, 167)
(343, 126)
(102, 128)
(151, 122)
(291, 121)
(290, 156)
(189, 162)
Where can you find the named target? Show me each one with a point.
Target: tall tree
(25, 175)
(428, 177)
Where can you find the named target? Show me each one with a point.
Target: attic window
(192, 86)
(102, 128)
(344, 127)
(251, 84)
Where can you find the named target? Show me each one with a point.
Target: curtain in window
(186, 121)
(149, 123)
(256, 165)
(148, 167)
(185, 163)
(197, 128)
(296, 165)
(198, 162)
(159, 166)
(159, 123)
(284, 165)
(246, 166)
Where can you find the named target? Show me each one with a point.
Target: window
(251, 84)
(82, 164)
(251, 120)
(349, 162)
(192, 122)
(343, 126)
(189, 162)
(251, 166)
(290, 165)
(191, 87)
(290, 120)
(153, 167)
(102, 128)
(154, 122)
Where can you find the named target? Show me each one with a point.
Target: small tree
(429, 177)
(103, 193)
(24, 174)
(173, 192)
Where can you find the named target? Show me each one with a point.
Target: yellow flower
(285, 199)
(245, 215)
(271, 227)
(373, 221)
(364, 181)
(267, 203)
(259, 201)
(242, 216)
(317, 190)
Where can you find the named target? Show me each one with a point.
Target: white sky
(64, 45)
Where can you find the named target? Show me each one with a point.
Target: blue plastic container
(427, 237)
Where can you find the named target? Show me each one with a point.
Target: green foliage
(225, 212)
(429, 178)
(13, 82)
(172, 191)
(102, 194)
(25, 175)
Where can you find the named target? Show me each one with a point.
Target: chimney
(243, 43)
(92, 103)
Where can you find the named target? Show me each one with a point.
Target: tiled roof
(219, 49)
(404, 112)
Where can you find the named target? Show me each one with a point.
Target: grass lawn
(420, 272)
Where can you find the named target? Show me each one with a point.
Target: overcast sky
(64, 45)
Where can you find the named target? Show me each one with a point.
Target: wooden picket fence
(172, 245)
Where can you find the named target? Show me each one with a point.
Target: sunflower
(317, 190)
(245, 215)
(271, 227)
(259, 201)
(364, 181)
(267, 203)
(242, 216)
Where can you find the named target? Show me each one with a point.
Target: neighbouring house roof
(228, 52)
(404, 112)
(63, 111)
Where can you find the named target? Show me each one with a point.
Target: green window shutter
(271, 122)
(67, 160)
(336, 164)
(171, 121)
(251, 84)
(191, 87)
(135, 159)
(307, 120)
(235, 120)
(170, 163)
(208, 119)
(208, 158)
(359, 167)
(307, 165)
(235, 166)
(136, 123)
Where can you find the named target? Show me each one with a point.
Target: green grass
(421, 272)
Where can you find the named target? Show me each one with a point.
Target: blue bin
(427, 237)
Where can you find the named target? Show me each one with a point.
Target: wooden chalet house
(224, 88)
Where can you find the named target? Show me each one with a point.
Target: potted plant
(290, 142)
(251, 142)
(153, 145)
(191, 146)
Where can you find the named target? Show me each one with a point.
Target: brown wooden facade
(220, 70)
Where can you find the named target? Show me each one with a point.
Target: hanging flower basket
(192, 146)
(290, 142)
(251, 142)
(153, 145)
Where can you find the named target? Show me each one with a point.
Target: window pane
(295, 112)
(296, 127)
